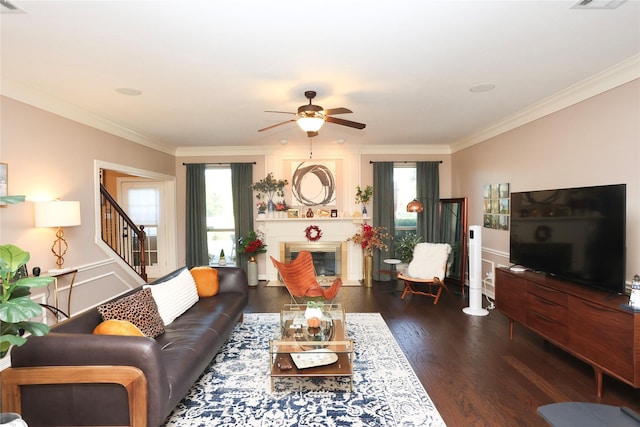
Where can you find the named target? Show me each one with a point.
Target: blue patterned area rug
(235, 390)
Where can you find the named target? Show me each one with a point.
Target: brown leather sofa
(170, 364)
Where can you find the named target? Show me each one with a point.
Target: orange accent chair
(427, 270)
(299, 277)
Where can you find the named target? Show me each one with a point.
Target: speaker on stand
(475, 273)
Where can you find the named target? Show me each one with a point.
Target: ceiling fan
(311, 117)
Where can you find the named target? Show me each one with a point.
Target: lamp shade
(310, 124)
(57, 214)
(415, 206)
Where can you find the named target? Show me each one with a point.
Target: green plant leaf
(6, 341)
(19, 309)
(35, 328)
(34, 282)
(11, 200)
(12, 257)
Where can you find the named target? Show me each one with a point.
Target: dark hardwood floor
(473, 373)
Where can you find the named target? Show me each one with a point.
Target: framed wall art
(496, 206)
(4, 179)
(314, 182)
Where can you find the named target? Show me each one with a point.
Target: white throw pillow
(429, 261)
(174, 296)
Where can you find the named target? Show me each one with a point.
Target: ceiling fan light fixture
(310, 124)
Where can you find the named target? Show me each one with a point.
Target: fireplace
(345, 259)
(329, 258)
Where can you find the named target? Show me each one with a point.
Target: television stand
(587, 323)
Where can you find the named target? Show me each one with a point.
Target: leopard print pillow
(138, 308)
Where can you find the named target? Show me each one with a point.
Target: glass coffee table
(311, 351)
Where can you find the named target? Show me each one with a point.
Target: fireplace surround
(329, 258)
(292, 231)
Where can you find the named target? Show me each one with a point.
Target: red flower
(371, 237)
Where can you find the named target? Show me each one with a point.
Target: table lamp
(58, 214)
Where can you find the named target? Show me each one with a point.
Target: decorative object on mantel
(281, 208)
(16, 306)
(309, 213)
(269, 187)
(262, 209)
(313, 233)
(370, 238)
(363, 197)
(252, 245)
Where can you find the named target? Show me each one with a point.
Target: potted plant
(16, 306)
(370, 238)
(270, 187)
(363, 197)
(252, 245)
(403, 246)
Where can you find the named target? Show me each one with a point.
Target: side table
(391, 271)
(57, 274)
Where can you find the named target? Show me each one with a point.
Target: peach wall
(594, 142)
(52, 157)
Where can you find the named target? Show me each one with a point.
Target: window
(404, 186)
(143, 206)
(220, 223)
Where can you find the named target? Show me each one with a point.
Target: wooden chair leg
(407, 287)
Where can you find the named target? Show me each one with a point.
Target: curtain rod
(219, 163)
(406, 161)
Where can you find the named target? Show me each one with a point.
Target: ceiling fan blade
(281, 112)
(340, 110)
(344, 122)
(276, 125)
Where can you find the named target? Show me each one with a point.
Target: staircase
(121, 234)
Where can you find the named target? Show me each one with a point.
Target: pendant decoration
(313, 233)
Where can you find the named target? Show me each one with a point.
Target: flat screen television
(575, 234)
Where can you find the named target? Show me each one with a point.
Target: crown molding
(608, 79)
(46, 102)
(252, 150)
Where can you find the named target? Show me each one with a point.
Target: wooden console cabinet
(587, 323)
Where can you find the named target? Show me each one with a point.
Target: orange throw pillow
(206, 279)
(118, 327)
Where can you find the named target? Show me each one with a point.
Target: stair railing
(121, 234)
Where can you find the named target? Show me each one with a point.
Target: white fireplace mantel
(277, 230)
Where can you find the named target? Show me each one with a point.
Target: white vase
(252, 271)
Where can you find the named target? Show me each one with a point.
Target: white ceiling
(207, 70)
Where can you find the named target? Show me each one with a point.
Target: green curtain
(197, 252)
(241, 180)
(383, 213)
(428, 192)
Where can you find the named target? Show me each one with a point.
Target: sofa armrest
(233, 279)
(132, 379)
(57, 349)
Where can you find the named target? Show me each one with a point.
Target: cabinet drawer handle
(598, 307)
(545, 318)
(547, 302)
(544, 288)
